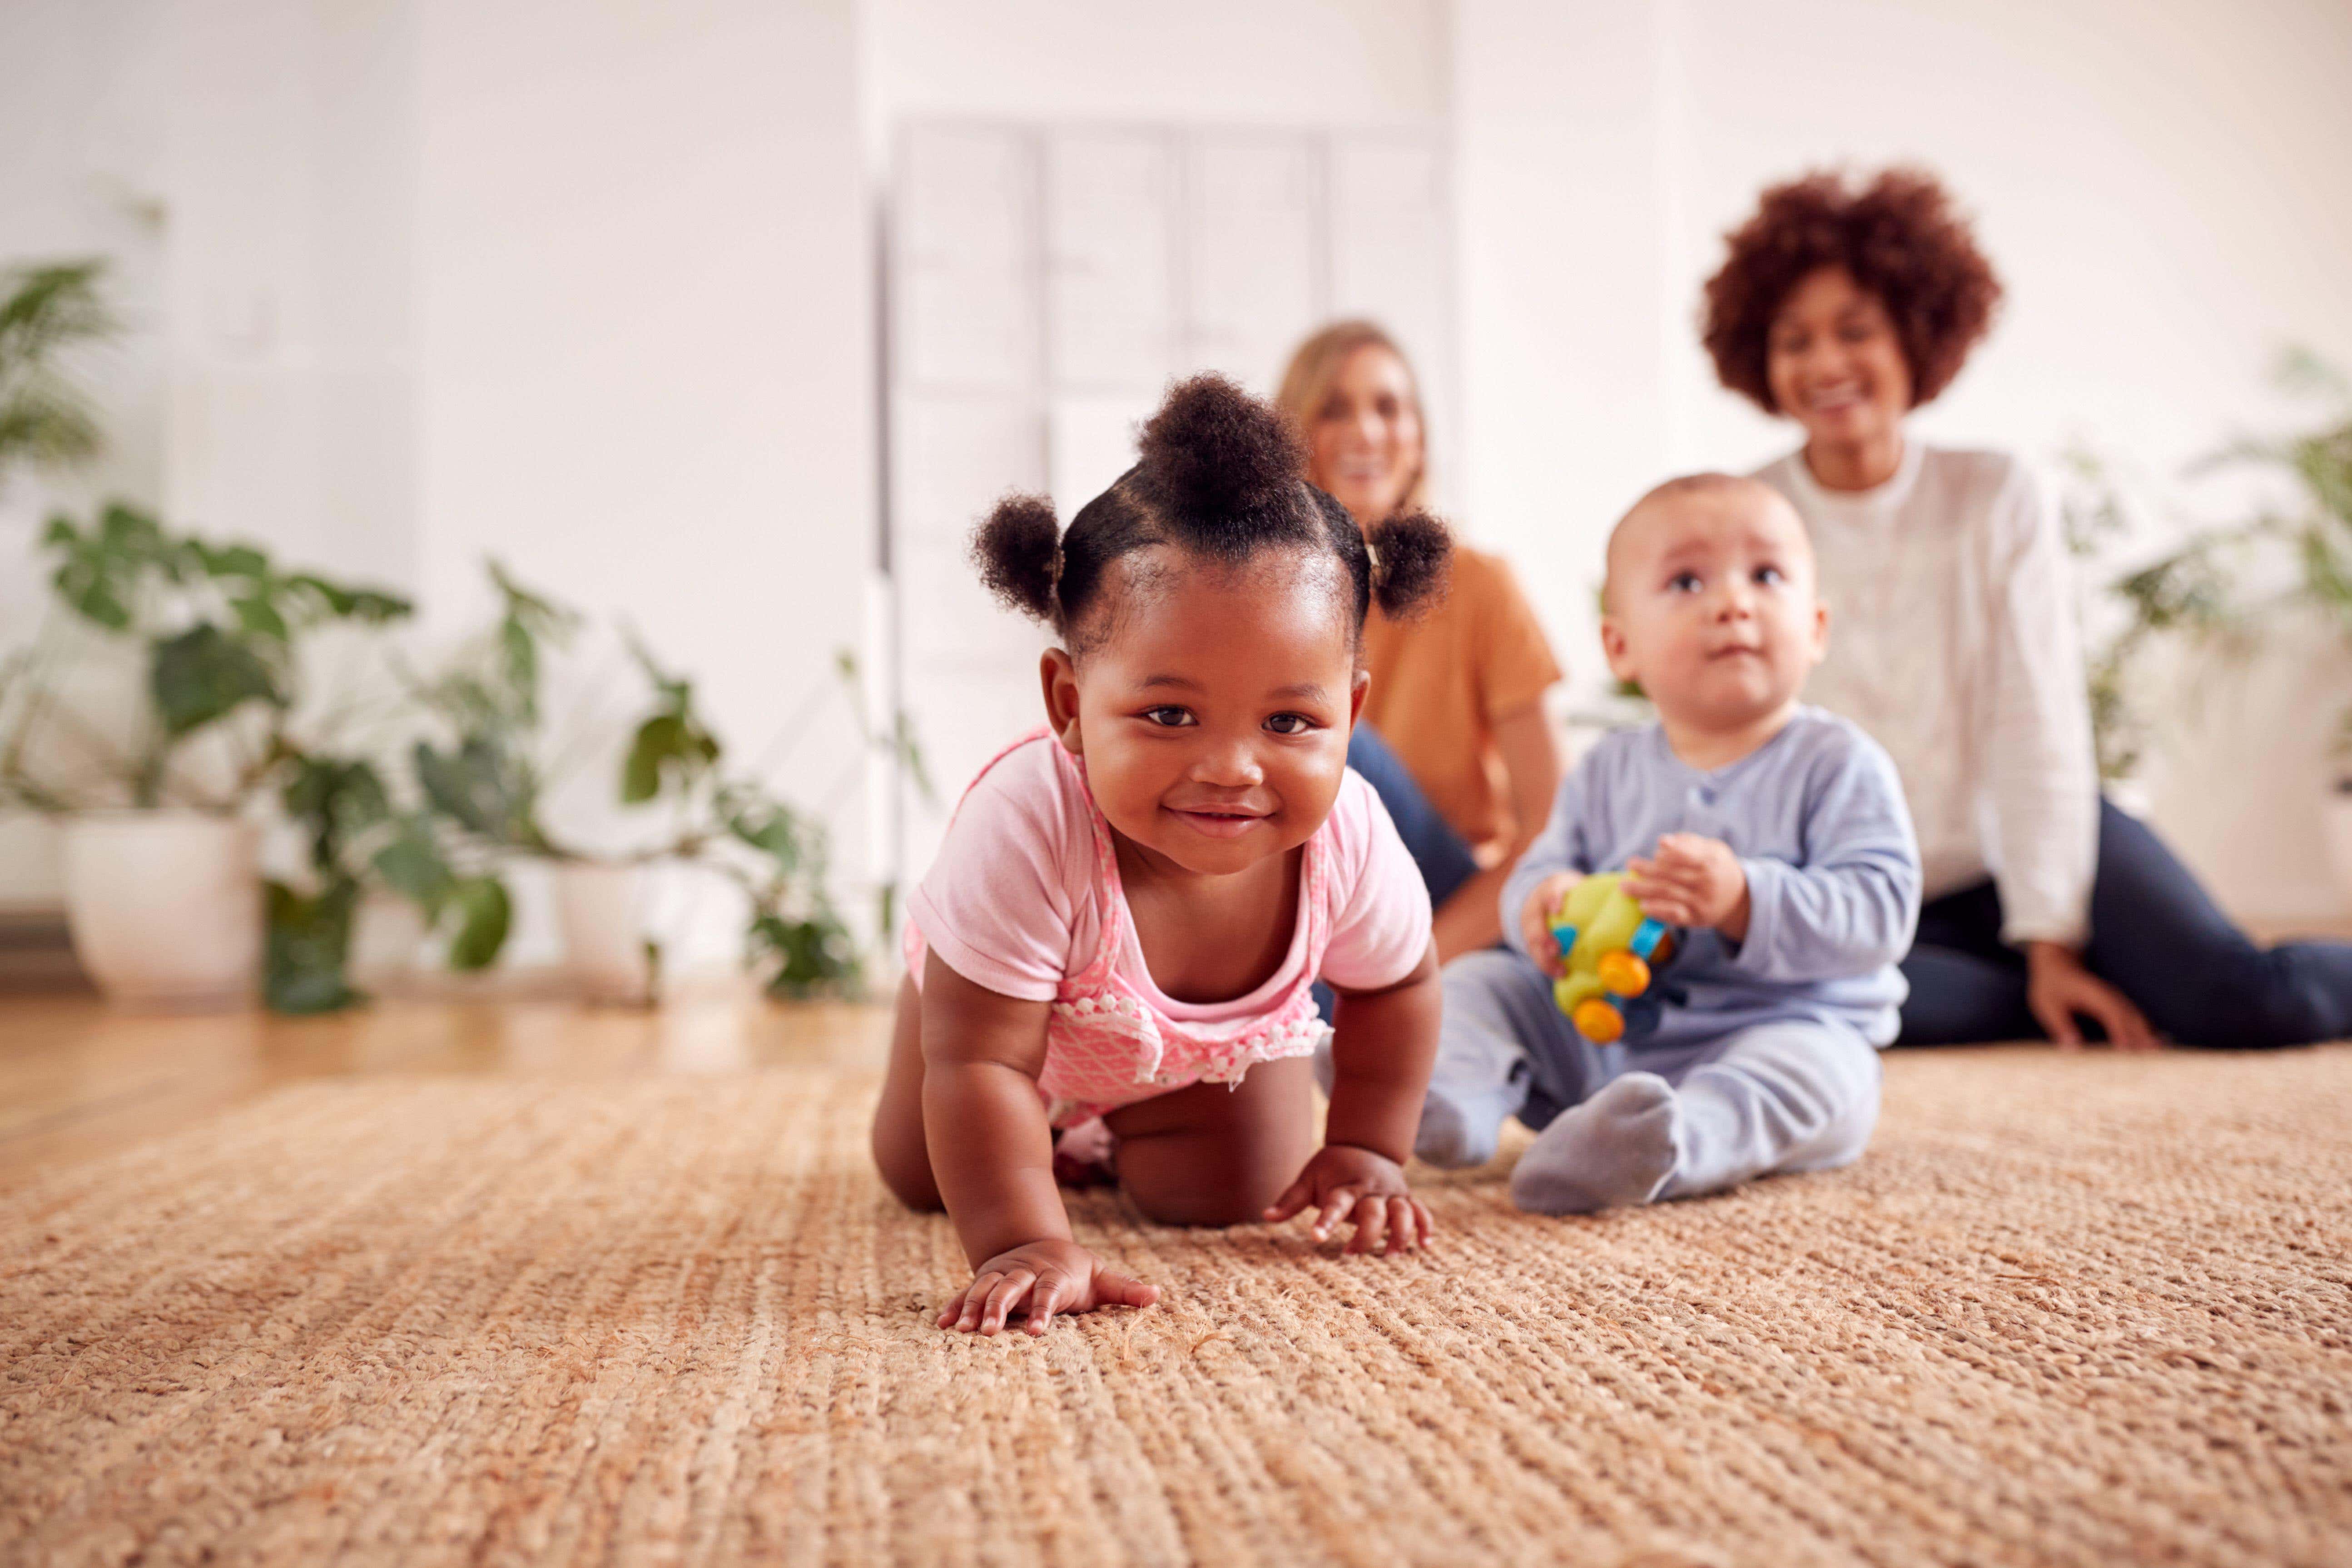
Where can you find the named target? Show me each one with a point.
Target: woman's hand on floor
(1039, 1278)
(2058, 990)
(1343, 1183)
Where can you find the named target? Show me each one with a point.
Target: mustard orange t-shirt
(1440, 682)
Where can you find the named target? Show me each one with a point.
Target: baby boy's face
(1712, 605)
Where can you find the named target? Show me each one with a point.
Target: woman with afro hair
(1843, 306)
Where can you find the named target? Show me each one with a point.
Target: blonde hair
(1316, 365)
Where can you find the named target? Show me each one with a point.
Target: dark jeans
(1444, 859)
(2155, 936)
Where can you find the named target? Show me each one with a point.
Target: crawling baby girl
(1132, 904)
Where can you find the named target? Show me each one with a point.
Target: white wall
(591, 286)
(645, 361)
(85, 126)
(1344, 65)
(585, 289)
(1291, 62)
(2166, 186)
(289, 192)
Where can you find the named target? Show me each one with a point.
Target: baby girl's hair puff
(1016, 549)
(1225, 463)
(1219, 477)
(1414, 556)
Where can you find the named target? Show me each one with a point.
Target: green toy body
(1611, 948)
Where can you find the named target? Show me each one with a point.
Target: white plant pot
(2338, 817)
(603, 911)
(165, 907)
(388, 937)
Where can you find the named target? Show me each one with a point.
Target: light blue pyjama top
(1816, 817)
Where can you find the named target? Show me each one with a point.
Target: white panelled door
(1044, 285)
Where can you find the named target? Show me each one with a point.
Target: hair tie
(1054, 571)
(1373, 555)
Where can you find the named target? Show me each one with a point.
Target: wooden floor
(79, 1078)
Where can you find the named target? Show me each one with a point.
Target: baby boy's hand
(1693, 881)
(1343, 1182)
(1534, 921)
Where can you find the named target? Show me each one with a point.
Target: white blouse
(1952, 640)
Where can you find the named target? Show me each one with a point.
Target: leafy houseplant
(771, 851)
(214, 631)
(2217, 589)
(2187, 596)
(2316, 528)
(487, 780)
(46, 313)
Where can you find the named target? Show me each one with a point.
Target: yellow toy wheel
(1598, 1021)
(1623, 974)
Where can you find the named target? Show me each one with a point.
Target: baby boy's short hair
(1682, 486)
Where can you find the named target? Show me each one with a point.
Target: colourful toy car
(1613, 951)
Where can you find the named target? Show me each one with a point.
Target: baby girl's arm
(992, 1154)
(992, 1149)
(1383, 1047)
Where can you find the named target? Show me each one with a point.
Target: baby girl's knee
(1193, 1194)
(1192, 1178)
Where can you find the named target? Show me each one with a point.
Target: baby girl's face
(1712, 605)
(1214, 714)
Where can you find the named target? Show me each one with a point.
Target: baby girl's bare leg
(899, 1153)
(1210, 1155)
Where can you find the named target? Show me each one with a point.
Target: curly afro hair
(1900, 237)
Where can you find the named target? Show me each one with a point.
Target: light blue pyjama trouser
(1768, 1095)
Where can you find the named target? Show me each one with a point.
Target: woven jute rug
(2069, 1310)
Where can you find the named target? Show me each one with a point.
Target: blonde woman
(1453, 735)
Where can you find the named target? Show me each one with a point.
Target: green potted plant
(489, 774)
(2133, 611)
(721, 822)
(2216, 591)
(2312, 521)
(157, 703)
(48, 313)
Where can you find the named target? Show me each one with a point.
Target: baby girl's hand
(1535, 920)
(1342, 1181)
(1050, 1277)
(1694, 882)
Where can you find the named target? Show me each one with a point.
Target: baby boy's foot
(1617, 1147)
(1459, 1129)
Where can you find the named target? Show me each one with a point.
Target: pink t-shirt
(1013, 902)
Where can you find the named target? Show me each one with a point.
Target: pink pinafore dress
(1107, 1045)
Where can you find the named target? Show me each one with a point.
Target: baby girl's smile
(1219, 821)
(1215, 726)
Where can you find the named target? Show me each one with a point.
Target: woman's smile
(1364, 442)
(1834, 397)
